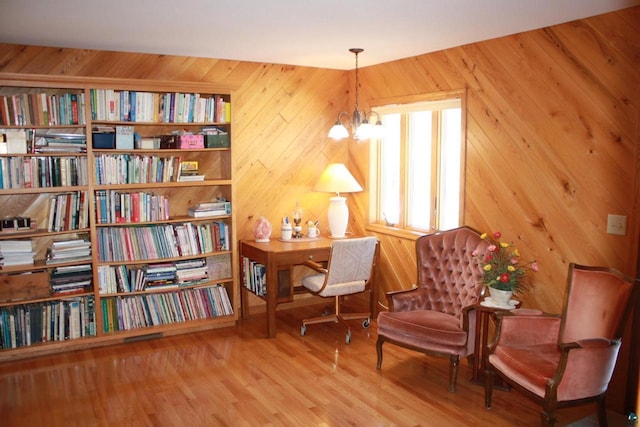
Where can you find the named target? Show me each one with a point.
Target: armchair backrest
(448, 271)
(596, 302)
(351, 260)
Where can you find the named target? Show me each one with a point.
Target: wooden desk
(279, 258)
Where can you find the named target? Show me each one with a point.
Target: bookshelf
(113, 251)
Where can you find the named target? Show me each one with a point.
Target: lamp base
(338, 217)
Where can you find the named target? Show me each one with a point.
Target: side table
(480, 351)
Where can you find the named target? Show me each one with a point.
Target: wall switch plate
(617, 224)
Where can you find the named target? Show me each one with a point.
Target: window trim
(380, 105)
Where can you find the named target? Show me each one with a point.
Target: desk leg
(244, 302)
(272, 299)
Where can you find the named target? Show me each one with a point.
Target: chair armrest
(512, 329)
(406, 299)
(586, 343)
(316, 266)
(585, 368)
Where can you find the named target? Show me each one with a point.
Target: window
(416, 167)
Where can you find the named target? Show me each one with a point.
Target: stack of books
(16, 252)
(60, 142)
(159, 276)
(217, 208)
(71, 279)
(191, 272)
(69, 250)
(189, 171)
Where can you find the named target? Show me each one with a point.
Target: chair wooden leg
(548, 418)
(602, 412)
(489, 379)
(453, 372)
(379, 351)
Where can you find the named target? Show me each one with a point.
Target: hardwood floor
(237, 377)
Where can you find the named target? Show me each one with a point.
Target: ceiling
(297, 32)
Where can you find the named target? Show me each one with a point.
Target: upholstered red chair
(434, 317)
(565, 360)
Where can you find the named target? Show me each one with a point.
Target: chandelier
(360, 126)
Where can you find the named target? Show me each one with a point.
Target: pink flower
(474, 253)
(492, 248)
(534, 266)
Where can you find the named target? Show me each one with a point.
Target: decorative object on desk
(504, 272)
(286, 230)
(312, 229)
(360, 126)
(262, 230)
(336, 178)
(297, 220)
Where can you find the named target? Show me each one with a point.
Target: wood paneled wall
(552, 142)
(552, 136)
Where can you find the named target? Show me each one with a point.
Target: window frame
(401, 230)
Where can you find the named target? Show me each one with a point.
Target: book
(189, 167)
(203, 213)
(190, 178)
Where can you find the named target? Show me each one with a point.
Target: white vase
(500, 297)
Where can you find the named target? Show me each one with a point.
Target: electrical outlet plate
(617, 224)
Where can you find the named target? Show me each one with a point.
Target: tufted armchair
(435, 317)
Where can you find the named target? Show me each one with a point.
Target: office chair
(350, 266)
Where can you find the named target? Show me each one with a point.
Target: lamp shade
(336, 178)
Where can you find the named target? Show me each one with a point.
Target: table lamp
(337, 179)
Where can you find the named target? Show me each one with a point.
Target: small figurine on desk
(262, 230)
(286, 230)
(297, 220)
(312, 229)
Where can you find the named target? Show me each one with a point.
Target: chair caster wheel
(366, 323)
(303, 330)
(348, 337)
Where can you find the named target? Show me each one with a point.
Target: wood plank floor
(237, 377)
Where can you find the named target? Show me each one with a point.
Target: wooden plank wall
(552, 138)
(552, 135)
(552, 142)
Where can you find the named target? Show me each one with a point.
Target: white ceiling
(297, 32)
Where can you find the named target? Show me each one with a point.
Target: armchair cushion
(529, 365)
(440, 331)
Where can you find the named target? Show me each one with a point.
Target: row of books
(124, 207)
(254, 277)
(135, 168)
(16, 252)
(27, 324)
(134, 106)
(41, 172)
(162, 276)
(68, 211)
(44, 109)
(161, 241)
(143, 310)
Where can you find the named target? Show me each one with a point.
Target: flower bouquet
(503, 268)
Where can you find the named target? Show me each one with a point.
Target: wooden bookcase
(35, 319)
